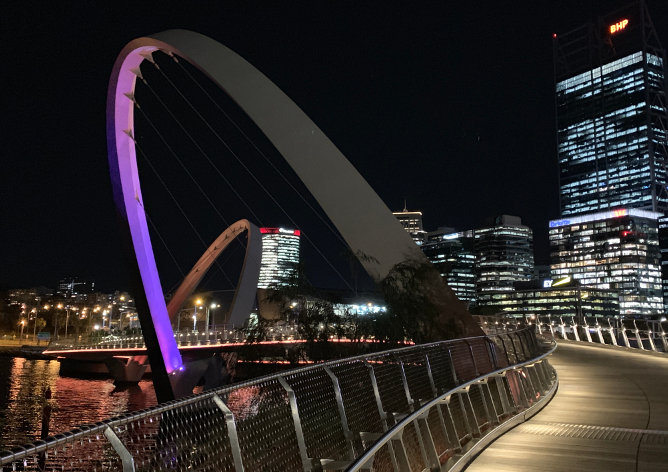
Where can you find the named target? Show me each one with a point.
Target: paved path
(609, 414)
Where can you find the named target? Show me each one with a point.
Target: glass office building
(454, 259)
(540, 298)
(614, 250)
(611, 114)
(280, 255)
(504, 255)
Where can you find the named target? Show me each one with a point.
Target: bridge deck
(610, 413)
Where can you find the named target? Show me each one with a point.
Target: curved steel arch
(358, 213)
(244, 295)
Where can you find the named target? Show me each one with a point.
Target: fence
(215, 335)
(321, 417)
(641, 334)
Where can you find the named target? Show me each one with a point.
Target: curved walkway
(610, 413)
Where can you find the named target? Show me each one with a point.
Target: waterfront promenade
(610, 413)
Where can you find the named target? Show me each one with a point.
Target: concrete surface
(610, 413)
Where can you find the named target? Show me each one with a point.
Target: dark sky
(449, 104)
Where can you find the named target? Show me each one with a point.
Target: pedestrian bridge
(485, 403)
(418, 407)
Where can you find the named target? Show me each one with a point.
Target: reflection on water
(75, 401)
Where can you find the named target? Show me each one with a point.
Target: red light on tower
(617, 27)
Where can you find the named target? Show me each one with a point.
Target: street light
(197, 302)
(23, 323)
(213, 315)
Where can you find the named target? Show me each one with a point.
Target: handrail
(164, 414)
(361, 461)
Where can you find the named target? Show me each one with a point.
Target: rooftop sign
(617, 27)
(605, 215)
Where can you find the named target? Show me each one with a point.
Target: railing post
(121, 450)
(475, 364)
(231, 433)
(383, 416)
(342, 413)
(306, 461)
(638, 337)
(435, 393)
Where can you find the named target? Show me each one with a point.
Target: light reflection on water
(74, 401)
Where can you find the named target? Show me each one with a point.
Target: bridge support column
(127, 369)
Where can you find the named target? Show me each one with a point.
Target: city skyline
(406, 105)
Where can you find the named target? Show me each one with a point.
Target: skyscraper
(611, 114)
(412, 223)
(280, 255)
(504, 254)
(616, 250)
(612, 137)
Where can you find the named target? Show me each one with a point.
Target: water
(74, 402)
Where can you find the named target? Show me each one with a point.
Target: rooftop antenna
(405, 210)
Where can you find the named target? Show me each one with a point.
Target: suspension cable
(240, 162)
(177, 203)
(317, 213)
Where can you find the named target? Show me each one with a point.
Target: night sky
(449, 105)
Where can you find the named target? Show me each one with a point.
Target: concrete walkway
(609, 414)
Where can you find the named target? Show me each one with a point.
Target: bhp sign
(617, 27)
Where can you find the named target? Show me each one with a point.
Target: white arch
(244, 295)
(358, 213)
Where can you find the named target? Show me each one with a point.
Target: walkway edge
(469, 456)
(631, 350)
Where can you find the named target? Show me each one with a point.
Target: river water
(74, 401)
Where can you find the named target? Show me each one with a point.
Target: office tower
(412, 223)
(454, 258)
(610, 80)
(504, 255)
(616, 249)
(537, 298)
(70, 287)
(280, 255)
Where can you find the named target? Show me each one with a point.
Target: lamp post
(23, 323)
(213, 314)
(34, 324)
(198, 302)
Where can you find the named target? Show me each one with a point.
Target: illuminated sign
(280, 230)
(576, 220)
(563, 281)
(547, 283)
(617, 27)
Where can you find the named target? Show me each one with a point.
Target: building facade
(613, 250)
(612, 118)
(454, 258)
(280, 255)
(504, 255)
(412, 223)
(71, 287)
(539, 298)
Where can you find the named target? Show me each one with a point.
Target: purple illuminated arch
(361, 217)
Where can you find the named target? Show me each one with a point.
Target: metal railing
(215, 335)
(321, 417)
(649, 335)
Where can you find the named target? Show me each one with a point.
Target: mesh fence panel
(194, 434)
(319, 414)
(388, 372)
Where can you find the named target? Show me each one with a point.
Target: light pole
(213, 314)
(23, 323)
(198, 302)
(34, 324)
